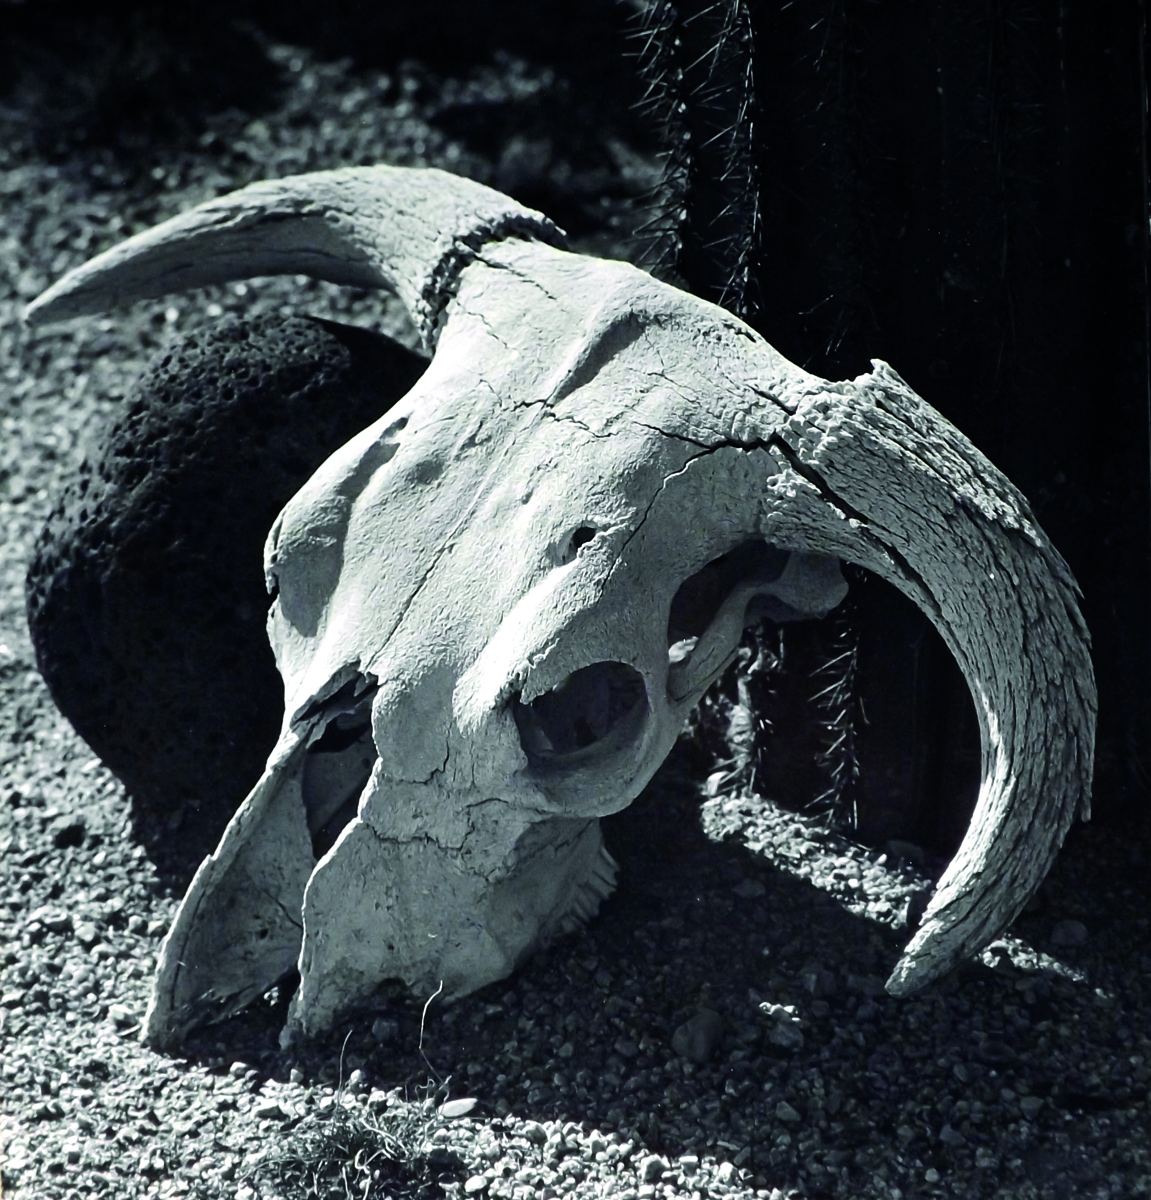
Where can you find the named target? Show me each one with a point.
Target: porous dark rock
(145, 595)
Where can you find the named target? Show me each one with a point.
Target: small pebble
(870, 986)
(785, 1029)
(951, 1137)
(651, 1169)
(817, 981)
(475, 1184)
(1069, 933)
(535, 1133)
(57, 922)
(698, 1039)
(997, 1053)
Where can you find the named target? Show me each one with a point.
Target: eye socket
(699, 597)
(586, 708)
(578, 537)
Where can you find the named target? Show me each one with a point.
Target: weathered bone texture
(145, 593)
(520, 581)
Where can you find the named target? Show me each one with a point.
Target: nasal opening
(339, 761)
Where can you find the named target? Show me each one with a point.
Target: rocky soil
(720, 1030)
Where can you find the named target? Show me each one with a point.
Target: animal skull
(495, 608)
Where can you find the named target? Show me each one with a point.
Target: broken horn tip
(909, 978)
(922, 963)
(897, 981)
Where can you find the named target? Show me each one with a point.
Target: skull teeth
(591, 893)
(602, 880)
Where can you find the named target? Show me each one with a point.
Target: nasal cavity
(339, 762)
(582, 711)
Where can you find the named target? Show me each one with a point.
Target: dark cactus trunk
(958, 189)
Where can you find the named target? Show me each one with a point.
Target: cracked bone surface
(495, 608)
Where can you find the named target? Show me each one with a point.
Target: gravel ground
(721, 1029)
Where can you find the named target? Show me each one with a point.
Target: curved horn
(871, 473)
(410, 231)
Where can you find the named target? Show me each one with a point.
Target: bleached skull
(495, 608)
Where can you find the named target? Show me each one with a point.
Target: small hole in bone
(578, 537)
(339, 763)
(583, 710)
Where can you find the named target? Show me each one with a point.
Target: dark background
(957, 188)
